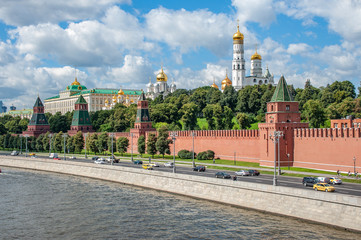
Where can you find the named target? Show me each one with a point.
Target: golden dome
(256, 56)
(106, 101)
(226, 82)
(75, 82)
(162, 77)
(120, 92)
(238, 35)
(214, 85)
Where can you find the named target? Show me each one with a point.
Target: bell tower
(142, 121)
(238, 62)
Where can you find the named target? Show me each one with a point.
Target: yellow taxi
(147, 166)
(32, 154)
(323, 187)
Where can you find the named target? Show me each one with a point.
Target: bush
(207, 155)
(185, 154)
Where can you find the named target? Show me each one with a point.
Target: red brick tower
(142, 122)
(81, 119)
(282, 115)
(38, 123)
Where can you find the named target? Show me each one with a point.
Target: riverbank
(326, 208)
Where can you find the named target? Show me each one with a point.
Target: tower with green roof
(81, 119)
(38, 123)
(282, 115)
(143, 122)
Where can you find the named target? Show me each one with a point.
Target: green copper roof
(81, 100)
(81, 118)
(76, 88)
(38, 103)
(282, 93)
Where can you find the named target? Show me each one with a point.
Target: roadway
(284, 181)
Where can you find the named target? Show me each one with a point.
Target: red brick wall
(328, 149)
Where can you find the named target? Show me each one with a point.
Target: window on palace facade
(345, 125)
(335, 125)
(287, 107)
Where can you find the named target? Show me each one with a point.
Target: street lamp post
(26, 144)
(193, 134)
(111, 158)
(85, 136)
(173, 135)
(50, 138)
(354, 165)
(64, 136)
(288, 160)
(275, 138)
(21, 144)
(131, 154)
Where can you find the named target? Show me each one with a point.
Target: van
(53, 155)
(323, 179)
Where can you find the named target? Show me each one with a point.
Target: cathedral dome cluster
(160, 87)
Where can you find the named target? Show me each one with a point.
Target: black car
(199, 168)
(222, 175)
(253, 172)
(95, 158)
(138, 162)
(309, 181)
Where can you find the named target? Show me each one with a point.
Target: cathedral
(160, 87)
(239, 79)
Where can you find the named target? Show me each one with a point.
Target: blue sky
(121, 43)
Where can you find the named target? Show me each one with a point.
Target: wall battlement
(221, 133)
(328, 133)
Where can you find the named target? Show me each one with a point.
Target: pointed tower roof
(38, 103)
(142, 97)
(282, 93)
(81, 100)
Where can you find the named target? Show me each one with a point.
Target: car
(242, 173)
(56, 158)
(335, 180)
(199, 168)
(112, 158)
(95, 158)
(323, 179)
(222, 175)
(147, 166)
(169, 164)
(14, 153)
(309, 181)
(98, 161)
(32, 154)
(323, 187)
(138, 162)
(253, 172)
(73, 157)
(53, 155)
(155, 164)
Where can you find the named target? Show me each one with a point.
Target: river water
(37, 205)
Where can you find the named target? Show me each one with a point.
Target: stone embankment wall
(327, 208)
(328, 149)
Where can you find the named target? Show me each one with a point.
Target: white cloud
(33, 12)
(299, 49)
(260, 11)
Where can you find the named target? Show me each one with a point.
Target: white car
(155, 164)
(14, 153)
(99, 161)
(72, 157)
(242, 173)
(169, 164)
(335, 180)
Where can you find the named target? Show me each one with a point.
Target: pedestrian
(338, 172)
(234, 178)
(349, 173)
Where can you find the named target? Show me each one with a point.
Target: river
(38, 205)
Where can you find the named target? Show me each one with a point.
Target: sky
(45, 44)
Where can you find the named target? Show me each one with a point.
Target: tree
(189, 115)
(70, 144)
(218, 116)
(78, 141)
(314, 113)
(58, 123)
(58, 143)
(2, 129)
(244, 120)
(208, 114)
(229, 98)
(151, 148)
(162, 143)
(228, 117)
(122, 145)
(141, 145)
(46, 141)
(102, 142)
(92, 146)
(39, 143)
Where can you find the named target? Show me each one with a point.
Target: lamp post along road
(354, 165)
(111, 158)
(21, 144)
(50, 138)
(275, 138)
(131, 154)
(85, 136)
(288, 160)
(174, 135)
(26, 144)
(64, 136)
(193, 134)
(280, 134)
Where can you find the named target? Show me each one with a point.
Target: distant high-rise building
(12, 108)
(3, 108)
